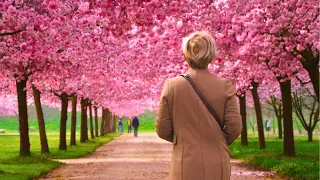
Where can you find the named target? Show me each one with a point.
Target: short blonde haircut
(199, 49)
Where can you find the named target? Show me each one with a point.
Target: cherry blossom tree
(115, 55)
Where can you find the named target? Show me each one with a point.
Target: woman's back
(200, 147)
(200, 150)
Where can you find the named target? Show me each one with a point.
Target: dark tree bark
(96, 121)
(73, 120)
(310, 136)
(23, 118)
(243, 112)
(257, 106)
(110, 123)
(285, 88)
(83, 125)
(63, 122)
(106, 121)
(41, 124)
(277, 108)
(314, 76)
(114, 123)
(288, 140)
(86, 120)
(280, 125)
(102, 122)
(310, 62)
(91, 121)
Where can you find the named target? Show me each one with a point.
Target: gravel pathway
(144, 158)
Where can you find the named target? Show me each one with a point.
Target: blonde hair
(199, 49)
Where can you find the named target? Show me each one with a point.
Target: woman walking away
(198, 113)
(120, 125)
(129, 125)
(135, 124)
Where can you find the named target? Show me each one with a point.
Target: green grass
(13, 167)
(304, 166)
(11, 123)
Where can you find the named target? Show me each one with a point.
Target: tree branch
(11, 33)
(301, 82)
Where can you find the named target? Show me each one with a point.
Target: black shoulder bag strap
(187, 77)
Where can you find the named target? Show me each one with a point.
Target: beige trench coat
(200, 150)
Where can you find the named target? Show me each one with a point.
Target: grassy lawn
(52, 123)
(13, 167)
(304, 166)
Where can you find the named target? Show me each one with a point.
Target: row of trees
(271, 42)
(305, 108)
(118, 54)
(108, 122)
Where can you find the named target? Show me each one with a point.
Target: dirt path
(145, 158)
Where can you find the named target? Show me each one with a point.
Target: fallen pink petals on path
(126, 157)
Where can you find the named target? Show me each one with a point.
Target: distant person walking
(120, 125)
(135, 124)
(268, 126)
(129, 125)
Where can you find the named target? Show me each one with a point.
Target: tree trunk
(73, 120)
(279, 128)
(314, 76)
(288, 140)
(110, 123)
(106, 121)
(114, 123)
(244, 135)
(112, 127)
(91, 121)
(63, 122)
(311, 65)
(96, 121)
(257, 107)
(102, 122)
(83, 120)
(277, 108)
(23, 118)
(310, 135)
(41, 124)
(86, 120)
